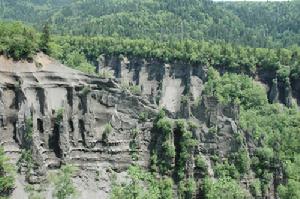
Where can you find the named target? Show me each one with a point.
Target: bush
(7, 175)
(143, 116)
(59, 115)
(78, 61)
(107, 130)
(255, 188)
(290, 190)
(28, 133)
(226, 170)
(62, 181)
(187, 188)
(165, 125)
(223, 188)
(242, 161)
(238, 89)
(201, 164)
(142, 184)
(26, 160)
(18, 41)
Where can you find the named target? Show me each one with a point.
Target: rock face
(164, 84)
(69, 112)
(88, 121)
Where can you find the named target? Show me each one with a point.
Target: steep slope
(69, 112)
(269, 24)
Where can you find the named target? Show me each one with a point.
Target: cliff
(87, 121)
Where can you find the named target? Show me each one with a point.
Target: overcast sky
(250, 0)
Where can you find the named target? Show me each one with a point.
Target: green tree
(7, 175)
(141, 185)
(45, 39)
(62, 181)
(223, 188)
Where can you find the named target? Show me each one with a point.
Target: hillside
(149, 99)
(256, 24)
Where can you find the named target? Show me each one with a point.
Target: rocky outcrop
(69, 112)
(89, 121)
(163, 83)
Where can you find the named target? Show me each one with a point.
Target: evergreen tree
(45, 39)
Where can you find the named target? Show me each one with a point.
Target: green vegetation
(107, 131)
(164, 157)
(274, 125)
(78, 61)
(62, 181)
(291, 189)
(134, 144)
(269, 24)
(187, 188)
(45, 40)
(186, 148)
(237, 89)
(7, 175)
(174, 142)
(26, 160)
(241, 41)
(34, 191)
(223, 170)
(220, 55)
(201, 165)
(59, 114)
(141, 185)
(223, 188)
(28, 133)
(82, 53)
(18, 41)
(134, 89)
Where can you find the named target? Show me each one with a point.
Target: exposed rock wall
(70, 112)
(166, 83)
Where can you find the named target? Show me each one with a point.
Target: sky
(251, 0)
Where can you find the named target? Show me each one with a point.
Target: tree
(62, 181)
(142, 184)
(45, 39)
(223, 188)
(7, 175)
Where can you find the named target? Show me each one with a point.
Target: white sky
(250, 0)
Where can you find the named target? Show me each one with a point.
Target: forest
(260, 25)
(236, 41)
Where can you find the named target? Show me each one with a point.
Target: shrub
(255, 188)
(85, 91)
(238, 89)
(165, 125)
(107, 130)
(223, 188)
(28, 133)
(7, 175)
(26, 160)
(62, 181)
(17, 41)
(201, 164)
(140, 184)
(187, 188)
(226, 170)
(78, 61)
(143, 116)
(59, 115)
(242, 161)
